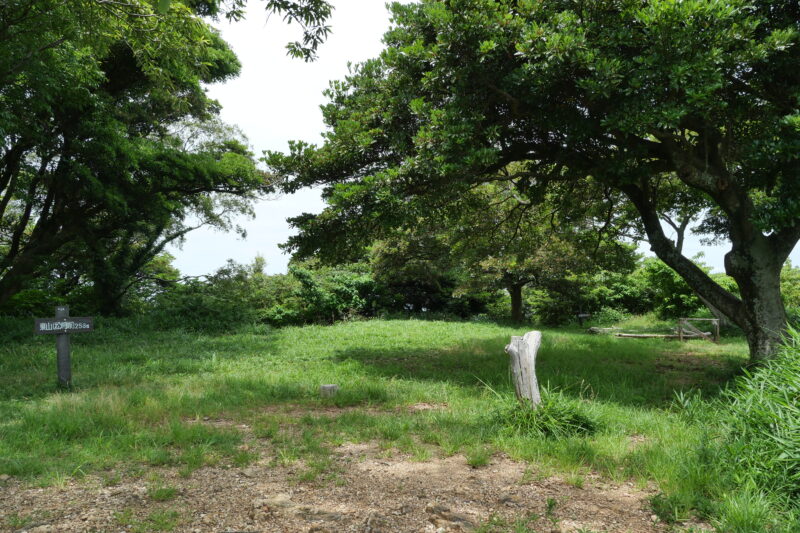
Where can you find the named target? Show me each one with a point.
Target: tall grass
(763, 423)
(760, 418)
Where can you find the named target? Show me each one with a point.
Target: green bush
(602, 293)
(621, 291)
(793, 316)
(30, 302)
(556, 416)
(332, 293)
(608, 316)
(670, 294)
(237, 295)
(790, 285)
(500, 307)
(231, 297)
(15, 329)
(198, 306)
(548, 307)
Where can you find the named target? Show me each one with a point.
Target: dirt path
(371, 493)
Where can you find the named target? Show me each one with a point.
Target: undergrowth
(761, 444)
(557, 416)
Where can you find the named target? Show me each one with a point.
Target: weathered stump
(522, 351)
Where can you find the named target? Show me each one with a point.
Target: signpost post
(61, 326)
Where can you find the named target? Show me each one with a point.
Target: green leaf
(163, 6)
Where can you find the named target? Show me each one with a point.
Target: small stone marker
(522, 351)
(328, 391)
(61, 326)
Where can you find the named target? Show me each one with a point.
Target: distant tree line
(396, 278)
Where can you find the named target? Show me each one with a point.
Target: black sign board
(61, 326)
(55, 326)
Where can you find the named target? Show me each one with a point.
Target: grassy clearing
(147, 398)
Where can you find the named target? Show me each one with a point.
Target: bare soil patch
(371, 492)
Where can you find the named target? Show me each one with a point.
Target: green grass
(160, 520)
(162, 494)
(147, 398)
(497, 524)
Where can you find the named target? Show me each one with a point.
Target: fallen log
(645, 336)
(657, 336)
(601, 331)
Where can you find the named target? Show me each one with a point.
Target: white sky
(276, 99)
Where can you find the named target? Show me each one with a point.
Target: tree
(106, 162)
(96, 98)
(416, 270)
(698, 94)
(509, 242)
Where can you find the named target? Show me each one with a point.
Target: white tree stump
(523, 366)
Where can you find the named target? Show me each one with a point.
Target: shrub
(500, 307)
(616, 290)
(237, 295)
(600, 292)
(225, 300)
(198, 307)
(556, 416)
(608, 316)
(30, 302)
(790, 285)
(670, 294)
(329, 294)
(793, 316)
(14, 329)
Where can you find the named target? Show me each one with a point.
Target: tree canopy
(110, 146)
(510, 243)
(680, 106)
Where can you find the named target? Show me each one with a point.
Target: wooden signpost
(61, 326)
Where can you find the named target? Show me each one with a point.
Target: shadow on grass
(630, 372)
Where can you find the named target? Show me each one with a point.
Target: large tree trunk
(9, 286)
(758, 274)
(515, 291)
(108, 298)
(754, 262)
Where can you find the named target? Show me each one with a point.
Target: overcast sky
(276, 99)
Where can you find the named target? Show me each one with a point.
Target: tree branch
(666, 250)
